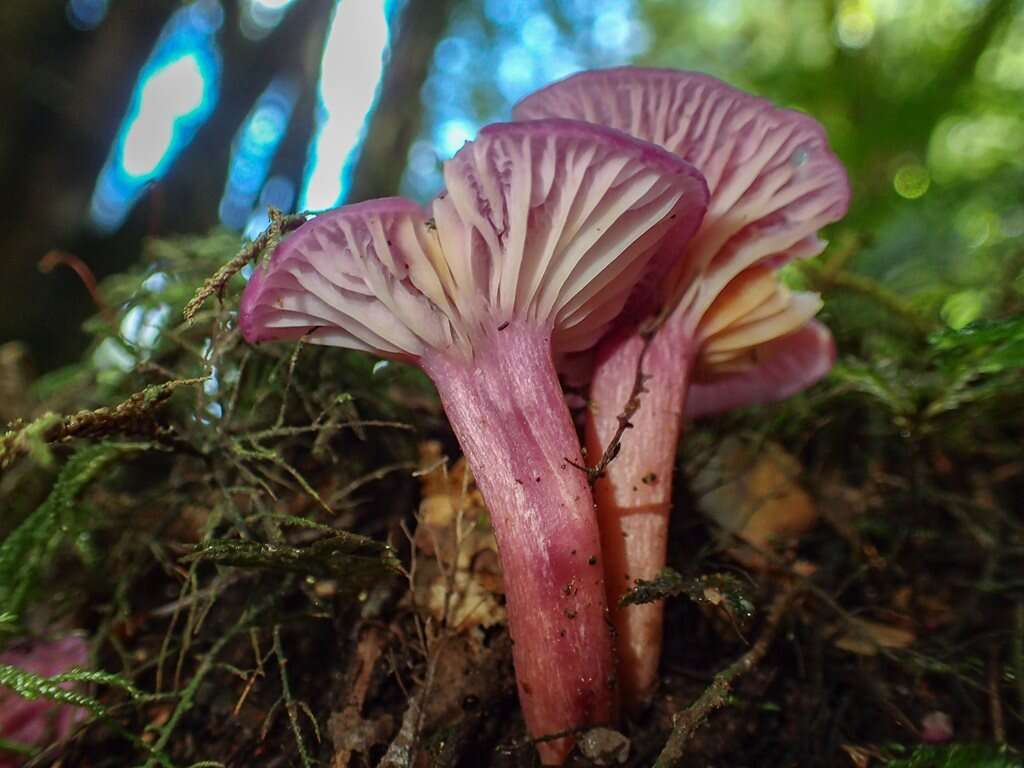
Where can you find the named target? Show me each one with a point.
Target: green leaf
(31, 686)
(668, 583)
(985, 347)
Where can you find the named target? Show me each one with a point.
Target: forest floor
(278, 559)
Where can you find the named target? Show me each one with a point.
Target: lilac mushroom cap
(547, 232)
(554, 223)
(774, 183)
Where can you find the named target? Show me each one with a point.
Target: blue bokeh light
(258, 18)
(87, 14)
(452, 134)
(350, 71)
(496, 52)
(141, 327)
(539, 33)
(175, 93)
(253, 150)
(278, 192)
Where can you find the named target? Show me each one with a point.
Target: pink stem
(509, 413)
(635, 494)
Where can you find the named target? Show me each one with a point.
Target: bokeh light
(911, 181)
(253, 150)
(175, 93)
(855, 24)
(258, 18)
(350, 72)
(480, 70)
(87, 14)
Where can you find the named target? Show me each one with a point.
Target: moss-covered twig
(715, 696)
(134, 416)
(280, 224)
(292, 706)
(824, 280)
(29, 548)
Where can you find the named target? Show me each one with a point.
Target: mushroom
(730, 334)
(539, 242)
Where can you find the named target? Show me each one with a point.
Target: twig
(251, 677)
(632, 405)
(55, 258)
(133, 416)
(686, 723)
(280, 225)
(290, 705)
(824, 280)
(995, 702)
(1018, 653)
(288, 384)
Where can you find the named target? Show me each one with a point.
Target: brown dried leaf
(859, 756)
(754, 496)
(865, 637)
(459, 580)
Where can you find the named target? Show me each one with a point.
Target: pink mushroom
(732, 335)
(39, 722)
(539, 242)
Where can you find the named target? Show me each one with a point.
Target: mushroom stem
(509, 414)
(634, 494)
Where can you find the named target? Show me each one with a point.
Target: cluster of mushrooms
(627, 219)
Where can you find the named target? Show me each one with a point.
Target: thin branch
(629, 410)
(291, 706)
(54, 259)
(134, 416)
(280, 225)
(715, 696)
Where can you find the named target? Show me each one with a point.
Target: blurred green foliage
(923, 101)
(957, 756)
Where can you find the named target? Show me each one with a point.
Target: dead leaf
(865, 637)
(350, 733)
(459, 581)
(754, 495)
(859, 756)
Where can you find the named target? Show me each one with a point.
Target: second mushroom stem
(634, 493)
(508, 411)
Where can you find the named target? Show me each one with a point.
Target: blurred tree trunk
(396, 121)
